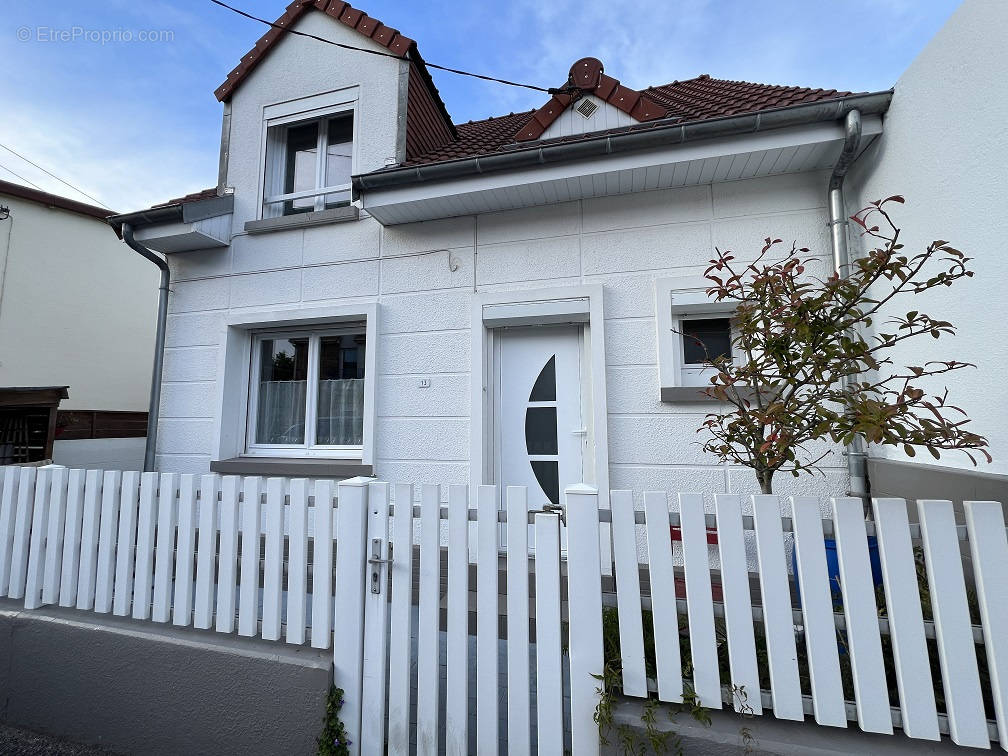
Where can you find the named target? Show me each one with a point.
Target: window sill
(303, 220)
(301, 467)
(694, 394)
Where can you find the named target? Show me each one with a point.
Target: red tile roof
(202, 194)
(687, 101)
(587, 78)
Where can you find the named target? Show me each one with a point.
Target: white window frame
(304, 110)
(235, 385)
(307, 448)
(676, 300)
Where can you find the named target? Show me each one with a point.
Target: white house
(373, 289)
(76, 334)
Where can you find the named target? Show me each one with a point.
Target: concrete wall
(944, 148)
(137, 687)
(100, 453)
(77, 308)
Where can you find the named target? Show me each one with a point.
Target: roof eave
(872, 103)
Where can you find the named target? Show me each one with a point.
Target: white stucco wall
(77, 308)
(623, 243)
(945, 148)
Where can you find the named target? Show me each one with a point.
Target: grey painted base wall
(774, 736)
(100, 453)
(135, 687)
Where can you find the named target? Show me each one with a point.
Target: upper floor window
(308, 165)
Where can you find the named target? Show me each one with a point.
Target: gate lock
(376, 561)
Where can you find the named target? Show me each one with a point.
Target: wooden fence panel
(297, 561)
(376, 615)
(518, 673)
(248, 588)
(164, 553)
(457, 635)
(663, 599)
(817, 611)
(486, 621)
(348, 635)
(71, 538)
(400, 625)
(22, 533)
(906, 620)
(122, 596)
(864, 643)
(956, 651)
(8, 509)
(272, 592)
(54, 537)
(428, 651)
(778, 624)
(108, 530)
(89, 540)
(36, 543)
(322, 566)
(206, 552)
(989, 551)
(549, 662)
(700, 601)
(584, 590)
(628, 597)
(228, 559)
(185, 551)
(737, 606)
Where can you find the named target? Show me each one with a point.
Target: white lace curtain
(281, 412)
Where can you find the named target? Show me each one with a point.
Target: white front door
(540, 430)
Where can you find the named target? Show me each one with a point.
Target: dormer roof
(428, 121)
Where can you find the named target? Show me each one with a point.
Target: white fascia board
(795, 136)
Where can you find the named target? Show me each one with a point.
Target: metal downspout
(856, 455)
(154, 407)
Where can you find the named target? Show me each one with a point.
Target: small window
(705, 340)
(308, 165)
(308, 392)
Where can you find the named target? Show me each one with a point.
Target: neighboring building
(374, 289)
(77, 317)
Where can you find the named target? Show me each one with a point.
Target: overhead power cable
(381, 54)
(18, 175)
(50, 173)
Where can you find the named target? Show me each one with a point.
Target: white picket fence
(336, 566)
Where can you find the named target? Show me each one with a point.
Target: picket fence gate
(258, 556)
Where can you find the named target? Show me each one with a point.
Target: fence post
(376, 611)
(584, 588)
(348, 637)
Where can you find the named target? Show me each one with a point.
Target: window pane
(341, 391)
(548, 476)
(283, 381)
(541, 430)
(706, 339)
(301, 164)
(339, 158)
(544, 389)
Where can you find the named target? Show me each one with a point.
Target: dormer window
(308, 165)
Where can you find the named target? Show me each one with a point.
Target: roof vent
(586, 108)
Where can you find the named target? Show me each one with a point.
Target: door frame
(581, 305)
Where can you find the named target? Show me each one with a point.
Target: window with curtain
(308, 392)
(308, 165)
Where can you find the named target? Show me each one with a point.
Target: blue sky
(134, 123)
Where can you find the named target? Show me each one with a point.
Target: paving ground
(17, 742)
